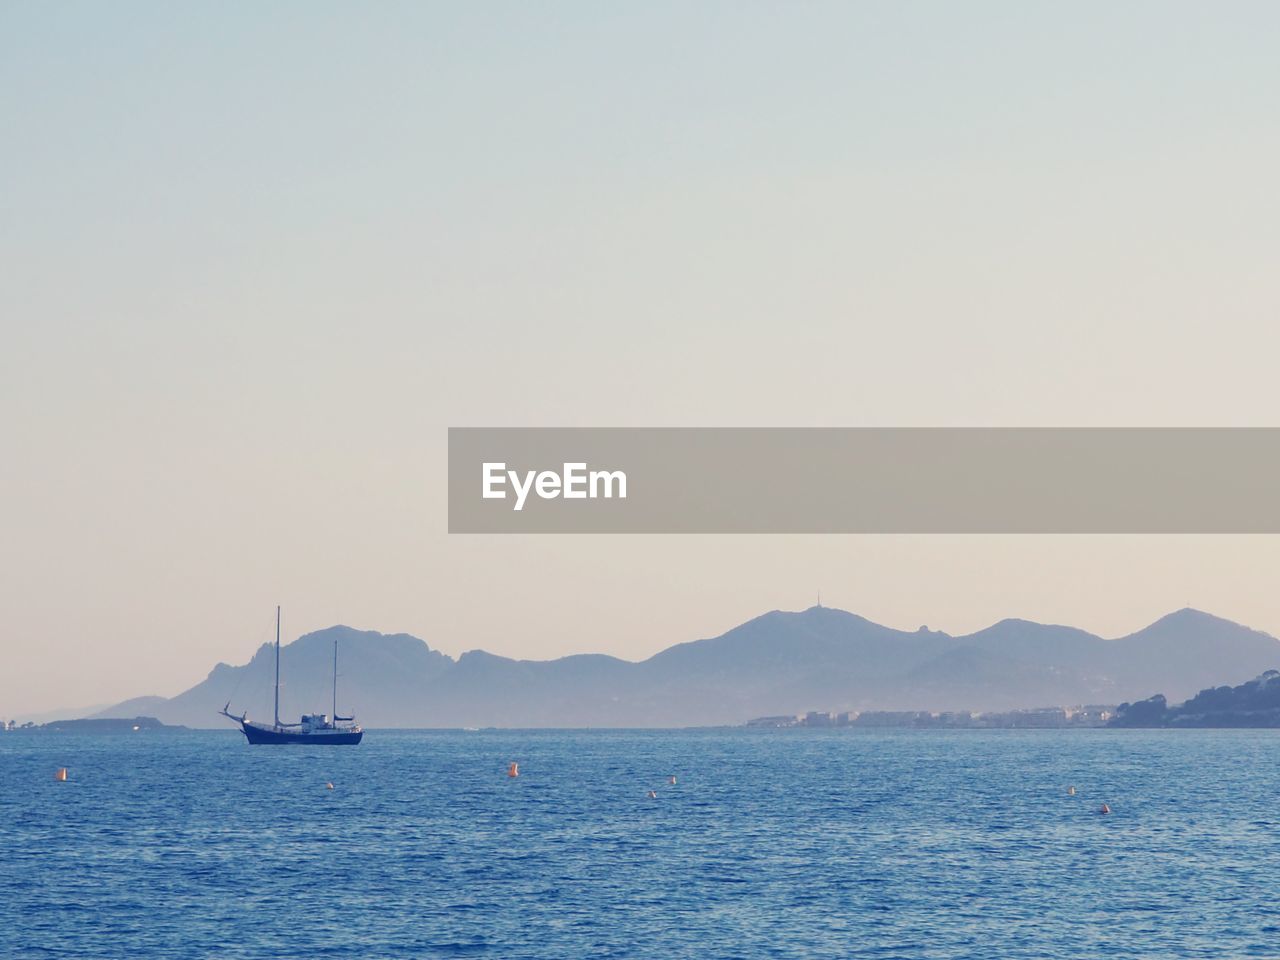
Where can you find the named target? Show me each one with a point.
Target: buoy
(672, 779)
(1104, 809)
(653, 795)
(513, 770)
(1071, 791)
(329, 784)
(61, 775)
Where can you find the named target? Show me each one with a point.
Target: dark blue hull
(257, 734)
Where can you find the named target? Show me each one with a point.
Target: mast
(335, 680)
(277, 666)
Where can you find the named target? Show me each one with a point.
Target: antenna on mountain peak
(819, 598)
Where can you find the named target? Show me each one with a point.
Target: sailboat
(318, 728)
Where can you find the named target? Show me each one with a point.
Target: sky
(255, 259)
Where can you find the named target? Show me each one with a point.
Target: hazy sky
(256, 258)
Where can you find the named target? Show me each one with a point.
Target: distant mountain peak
(1190, 621)
(1194, 616)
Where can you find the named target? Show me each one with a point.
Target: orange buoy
(329, 784)
(61, 775)
(1104, 809)
(653, 795)
(1071, 791)
(672, 780)
(513, 770)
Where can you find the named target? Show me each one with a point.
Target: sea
(770, 843)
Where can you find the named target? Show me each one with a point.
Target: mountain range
(778, 663)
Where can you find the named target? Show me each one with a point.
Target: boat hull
(256, 734)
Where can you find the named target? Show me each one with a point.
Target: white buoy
(1104, 809)
(61, 775)
(329, 785)
(1071, 791)
(513, 770)
(672, 780)
(653, 795)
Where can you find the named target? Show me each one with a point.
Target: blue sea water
(771, 844)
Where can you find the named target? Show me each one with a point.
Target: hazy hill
(381, 675)
(65, 713)
(1252, 704)
(781, 662)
